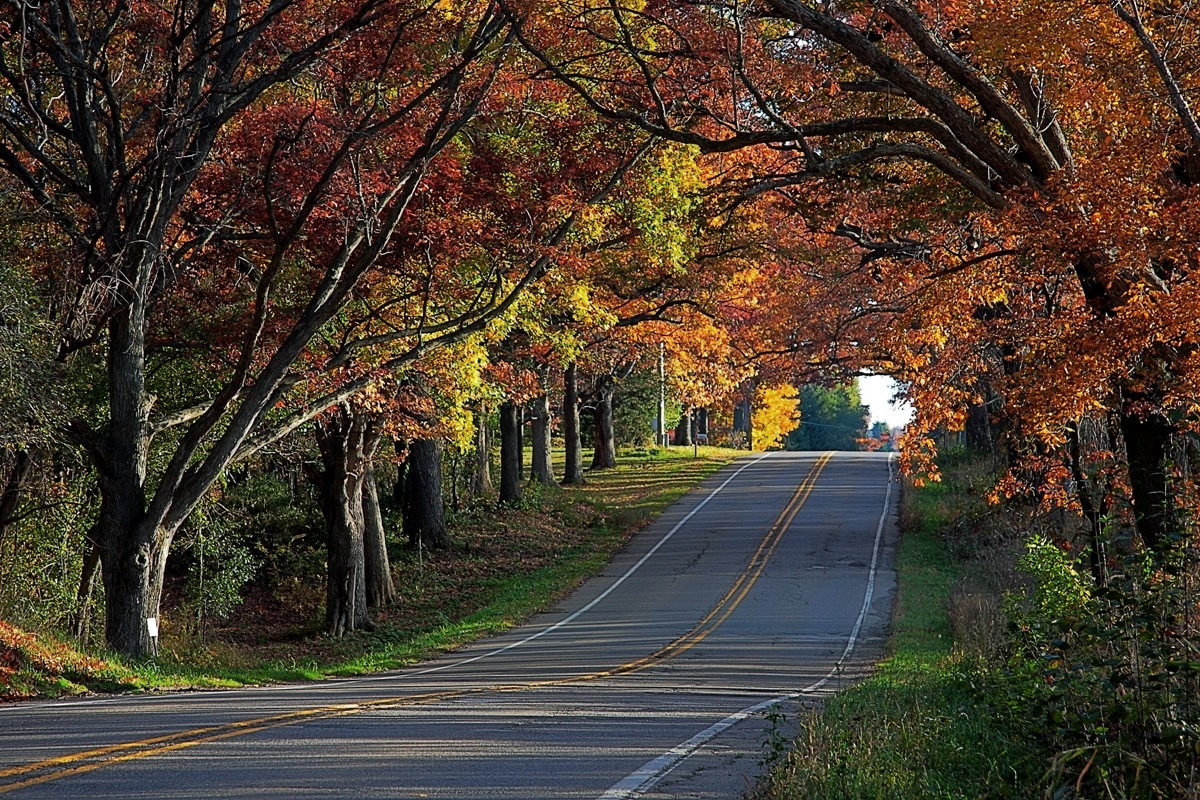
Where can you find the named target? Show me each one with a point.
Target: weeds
(1013, 674)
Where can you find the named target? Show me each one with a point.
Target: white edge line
(566, 621)
(642, 780)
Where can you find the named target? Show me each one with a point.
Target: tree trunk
(978, 429)
(1147, 433)
(126, 555)
(341, 440)
(1093, 511)
(401, 446)
(424, 508)
(128, 539)
(749, 401)
(573, 470)
(381, 591)
(542, 470)
(481, 479)
(683, 431)
(521, 422)
(10, 498)
(81, 619)
(1145, 429)
(605, 455)
(510, 453)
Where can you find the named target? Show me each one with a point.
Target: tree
(831, 418)
(347, 441)
(957, 149)
(776, 414)
(424, 510)
(122, 135)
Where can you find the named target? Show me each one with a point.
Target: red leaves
(27, 661)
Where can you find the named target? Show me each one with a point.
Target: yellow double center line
(87, 760)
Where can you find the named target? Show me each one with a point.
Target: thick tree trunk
(381, 590)
(341, 440)
(424, 508)
(1147, 433)
(978, 429)
(1145, 429)
(510, 453)
(481, 477)
(127, 538)
(573, 469)
(542, 470)
(605, 455)
(683, 431)
(126, 556)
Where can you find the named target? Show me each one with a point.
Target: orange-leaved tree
(1025, 205)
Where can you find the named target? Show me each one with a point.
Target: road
(763, 590)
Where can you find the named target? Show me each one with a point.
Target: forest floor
(505, 565)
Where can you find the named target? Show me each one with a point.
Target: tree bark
(683, 431)
(605, 455)
(481, 478)
(381, 590)
(542, 470)
(510, 453)
(1093, 511)
(341, 440)
(573, 469)
(424, 508)
(978, 429)
(1147, 433)
(10, 498)
(128, 537)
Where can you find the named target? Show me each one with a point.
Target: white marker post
(152, 629)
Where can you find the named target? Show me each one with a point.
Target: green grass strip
(922, 725)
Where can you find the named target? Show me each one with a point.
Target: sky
(876, 392)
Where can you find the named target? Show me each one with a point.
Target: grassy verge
(924, 725)
(506, 565)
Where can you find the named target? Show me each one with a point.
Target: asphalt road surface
(762, 591)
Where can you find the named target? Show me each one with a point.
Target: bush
(259, 528)
(1113, 681)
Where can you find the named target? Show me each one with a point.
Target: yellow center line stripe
(88, 760)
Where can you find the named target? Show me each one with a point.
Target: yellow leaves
(776, 414)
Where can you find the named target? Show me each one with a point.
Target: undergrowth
(1014, 672)
(506, 564)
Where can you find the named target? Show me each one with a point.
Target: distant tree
(635, 408)
(776, 412)
(831, 418)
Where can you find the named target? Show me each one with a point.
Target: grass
(507, 564)
(924, 724)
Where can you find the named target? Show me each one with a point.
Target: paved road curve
(766, 588)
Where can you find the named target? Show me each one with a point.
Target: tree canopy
(228, 227)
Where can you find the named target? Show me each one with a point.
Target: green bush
(1113, 684)
(259, 528)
